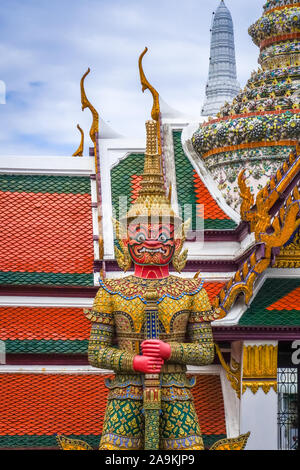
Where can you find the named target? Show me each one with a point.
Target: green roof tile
(45, 184)
(31, 441)
(58, 279)
(35, 346)
(272, 290)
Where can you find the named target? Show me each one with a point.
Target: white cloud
(46, 47)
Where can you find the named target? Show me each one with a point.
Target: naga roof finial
(79, 151)
(86, 104)
(155, 112)
(146, 85)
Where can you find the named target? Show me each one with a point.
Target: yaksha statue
(148, 326)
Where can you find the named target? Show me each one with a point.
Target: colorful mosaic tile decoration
(191, 190)
(126, 178)
(264, 115)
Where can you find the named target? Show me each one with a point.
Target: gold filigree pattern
(237, 443)
(289, 256)
(270, 230)
(269, 195)
(246, 196)
(242, 282)
(173, 286)
(233, 371)
(122, 254)
(66, 443)
(260, 368)
(180, 257)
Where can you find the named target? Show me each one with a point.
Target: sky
(46, 46)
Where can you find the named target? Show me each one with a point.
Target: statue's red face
(151, 244)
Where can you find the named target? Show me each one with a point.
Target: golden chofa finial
(79, 151)
(86, 104)
(146, 85)
(155, 113)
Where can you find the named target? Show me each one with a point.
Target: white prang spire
(222, 84)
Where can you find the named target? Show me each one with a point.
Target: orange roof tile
(289, 302)
(203, 197)
(26, 323)
(52, 323)
(45, 404)
(36, 404)
(208, 399)
(213, 288)
(43, 232)
(135, 186)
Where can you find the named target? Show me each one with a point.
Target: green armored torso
(118, 319)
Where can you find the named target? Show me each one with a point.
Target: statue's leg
(180, 429)
(123, 427)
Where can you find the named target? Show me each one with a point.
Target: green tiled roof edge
(93, 440)
(43, 346)
(271, 291)
(219, 224)
(186, 190)
(53, 279)
(44, 440)
(272, 318)
(45, 184)
(209, 440)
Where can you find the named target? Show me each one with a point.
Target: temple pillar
(258, 406)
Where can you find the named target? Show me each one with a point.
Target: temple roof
(46, 235)
(191, 189)
(276, 304)
(74, 405)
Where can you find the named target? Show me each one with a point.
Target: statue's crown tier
(152, 201)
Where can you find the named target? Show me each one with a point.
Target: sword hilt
(152, 392)
(151, 314)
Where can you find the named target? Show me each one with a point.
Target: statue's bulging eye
(162, 238)
(141, 237)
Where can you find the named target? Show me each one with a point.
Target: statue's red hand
(156, 348)
(147, 364)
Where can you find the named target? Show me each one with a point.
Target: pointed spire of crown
(152, 201)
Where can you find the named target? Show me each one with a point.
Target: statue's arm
(101, 351)
(199, 350)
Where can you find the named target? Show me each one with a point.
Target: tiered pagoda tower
(222, 82)
(261, 126)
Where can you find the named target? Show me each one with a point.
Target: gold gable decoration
(289, 256)
(271, 231)
(237, 443)
(72, 444)
(233, 371)
(260, 368)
